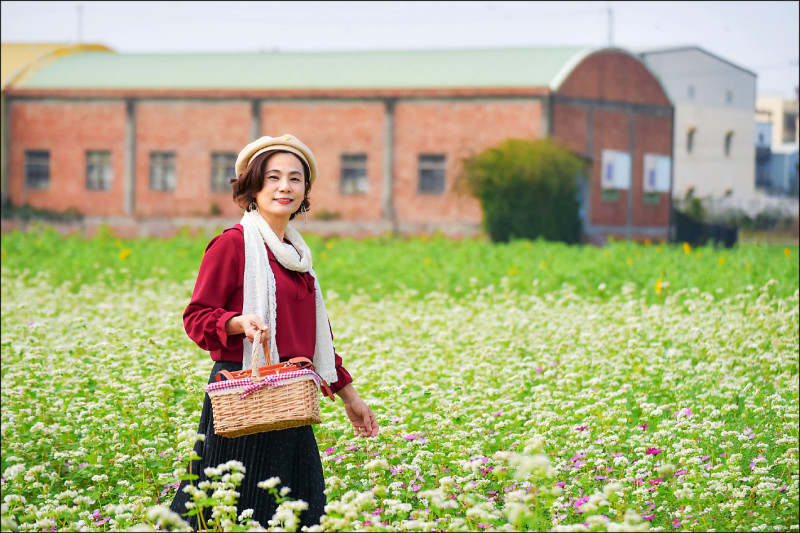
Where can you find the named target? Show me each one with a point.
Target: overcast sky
(762, 37)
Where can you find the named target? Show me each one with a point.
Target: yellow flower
(648, 242)
(630, 261)
(687, 248)
(513, 271)
(428, 261)
(329, 245)
(787, 252)
(659, 289)
(722, 260)
(542, 265)
(748, 267)
(323, 254)
(124, 254)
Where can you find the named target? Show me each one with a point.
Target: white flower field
(660, 399)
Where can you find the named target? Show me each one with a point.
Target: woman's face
(284, 187)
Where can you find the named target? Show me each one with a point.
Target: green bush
(527, 189)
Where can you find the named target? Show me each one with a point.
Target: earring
(253, 206)
(304, 210)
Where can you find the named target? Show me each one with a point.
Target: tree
(527, 189)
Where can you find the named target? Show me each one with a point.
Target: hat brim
(288, 143)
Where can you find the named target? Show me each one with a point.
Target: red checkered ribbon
(272, 380)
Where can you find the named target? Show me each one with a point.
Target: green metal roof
(501, 67)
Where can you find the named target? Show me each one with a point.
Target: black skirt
(290, 454)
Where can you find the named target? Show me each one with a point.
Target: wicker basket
(267, 409)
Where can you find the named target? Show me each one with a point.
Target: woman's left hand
(362, 417)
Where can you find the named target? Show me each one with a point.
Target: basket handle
(255, 375)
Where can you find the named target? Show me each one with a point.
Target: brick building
(155, 135)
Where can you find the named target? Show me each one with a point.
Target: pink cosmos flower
(330, 450)
(412, 436)
(648, 516)
(351, 448)
(415, 488)
(484, 526)
(539, 370)
(643, 426)
(377, 511)
(705, 457)
(655, 481)
(653, 451)
(756, 460)
(581, 428)
(783, 488)
(563, 483)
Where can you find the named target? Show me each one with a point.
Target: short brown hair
(251, 181)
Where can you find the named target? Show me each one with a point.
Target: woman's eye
(295, 179)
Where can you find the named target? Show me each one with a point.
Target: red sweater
(218, 296)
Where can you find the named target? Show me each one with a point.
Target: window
(690, 140)
(98, 170)
(616, 170)
(728, 142)
(431, 174)
(162, 171)
(691, 92)
(223, 170)
(729, 97)
(789, 127)
(37, 169)
(353, 178)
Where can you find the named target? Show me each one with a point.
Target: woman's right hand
(249, 325)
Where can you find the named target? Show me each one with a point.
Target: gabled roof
(644, 53)
(474, 68)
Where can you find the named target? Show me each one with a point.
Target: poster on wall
(616, 171)
(656, 175)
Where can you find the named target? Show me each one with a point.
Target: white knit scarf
(259, 290)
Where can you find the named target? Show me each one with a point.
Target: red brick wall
(458, 130)
(193, 131)
(614, 76)
(330, 130)
(653, 136)
(570, 126)
(67, 130)
(610, 133)
(617, 77)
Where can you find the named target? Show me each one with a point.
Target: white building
(714, 99)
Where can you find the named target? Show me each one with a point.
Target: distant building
(19, 62)
(763, 143)
(156, 135)
(783, 170)
(714, 103)
(782, 113)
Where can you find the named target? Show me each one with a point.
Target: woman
(257, 276)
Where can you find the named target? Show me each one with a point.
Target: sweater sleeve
(205, 317)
